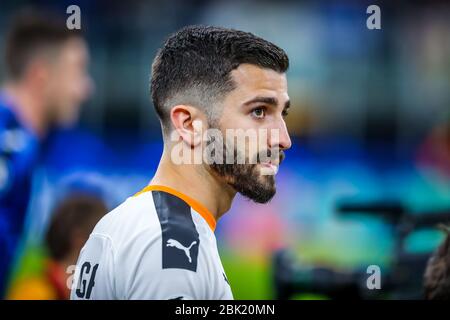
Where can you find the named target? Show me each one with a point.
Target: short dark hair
(31, 33)
(437, 274)
(76, 213)
(201, 58)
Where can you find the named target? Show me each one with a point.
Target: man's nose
(281, 140)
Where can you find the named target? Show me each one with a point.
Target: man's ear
(188, 122)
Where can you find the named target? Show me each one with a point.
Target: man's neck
(28, 107)
(196, 182)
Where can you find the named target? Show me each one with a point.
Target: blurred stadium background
(370, 122)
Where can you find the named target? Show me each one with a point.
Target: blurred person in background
(437, 273)
(46, 80)
(72, 222)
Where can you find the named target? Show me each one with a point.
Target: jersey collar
(194, 204)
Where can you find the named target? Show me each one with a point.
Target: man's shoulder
(153, 222)
(136, 215)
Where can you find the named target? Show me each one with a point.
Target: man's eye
(259, 113)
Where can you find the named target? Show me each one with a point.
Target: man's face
(258, 105)
(69, 84)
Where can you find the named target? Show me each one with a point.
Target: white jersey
(159, 244)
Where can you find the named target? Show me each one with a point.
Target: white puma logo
(176, 244)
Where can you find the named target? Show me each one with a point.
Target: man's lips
(271, 165)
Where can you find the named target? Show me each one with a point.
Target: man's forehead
(251, 79)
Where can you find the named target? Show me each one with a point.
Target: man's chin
(262, 197)
(261, 191)
(249, 181)
(68, 117)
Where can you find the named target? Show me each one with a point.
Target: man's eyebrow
(266, 100)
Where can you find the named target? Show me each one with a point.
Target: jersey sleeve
(94, 273)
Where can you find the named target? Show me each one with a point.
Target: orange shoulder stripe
(194, 204)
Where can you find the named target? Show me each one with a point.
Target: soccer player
(160, 244)
(45, 82)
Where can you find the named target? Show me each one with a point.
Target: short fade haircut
(193, 67)
(31, 34)
(437, 273)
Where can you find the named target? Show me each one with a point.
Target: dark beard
(246, 178)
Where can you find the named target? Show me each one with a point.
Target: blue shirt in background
(19, 149)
